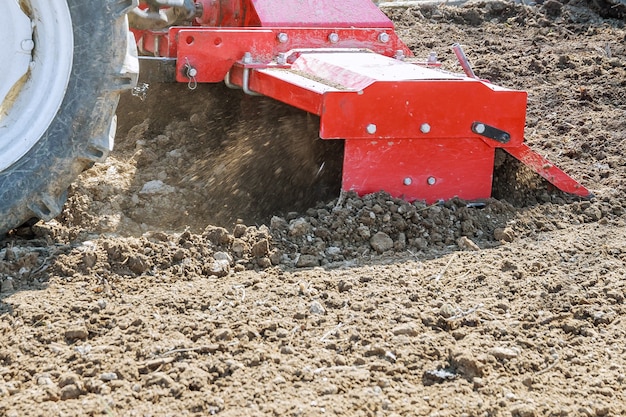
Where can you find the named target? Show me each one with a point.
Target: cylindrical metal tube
(460, 55)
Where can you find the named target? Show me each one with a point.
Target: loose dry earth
(148, 297)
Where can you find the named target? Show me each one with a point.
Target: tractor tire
(57, 115)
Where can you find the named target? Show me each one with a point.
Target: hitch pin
(460, 55)
(191, 73)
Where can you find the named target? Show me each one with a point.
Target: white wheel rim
(37, 79)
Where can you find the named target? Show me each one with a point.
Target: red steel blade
(548, 170)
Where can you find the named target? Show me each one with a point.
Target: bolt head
(425, 128)
(383, 37)
(192, 72)
(431, 180)
(283, 37)
(28, 45)
(479, 128)
(371, 128)
(333, 38)
(407, 181)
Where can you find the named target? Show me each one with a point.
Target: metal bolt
(283, 37)
(383, 37)
(432, 58)
(28, 45)
(371, 128)
(399, 55)
(191, 72)
(333, 38)
(431, 180)
(247, 58)
(281, 59)
(425, 128)
(407, 181)
(479, 128)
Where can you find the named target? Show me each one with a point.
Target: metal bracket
(491, 132)
(245, 81)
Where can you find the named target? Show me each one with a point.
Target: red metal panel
(548, 170)
(400, 109)
(419, 170)
(288, 87)
(308, 13)
(355, 105)
(212, 51)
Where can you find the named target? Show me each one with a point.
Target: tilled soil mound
(212, 266)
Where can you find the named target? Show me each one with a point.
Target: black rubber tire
(36, 185)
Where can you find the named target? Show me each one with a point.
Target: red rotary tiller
(410, 129)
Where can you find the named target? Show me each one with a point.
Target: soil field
(209, 268)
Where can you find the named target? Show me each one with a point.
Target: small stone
(437, 376)
(275, 256)
(223, 334)
(328, 389)
(156, 187)
(218, 236)
(364, 232)
(405, 329)
(279, 380)
(77, 333)
(90, 259)
(223, 256)
(553, 8)
(264, 262)
(299, 227)
(504, 234)
(286, 350)
(344, 286)
(333, 251)
(466, 243)
(239, 230)
(282, 333)
(69, 378)
(316, 308)
(478, 382)
(44, 380)
(261, 248)
(7, 285)
(447, 311)
(503, 353)
(160, 378)
(466, 365)
(108, 376)
(138, 263)
(219, 268)
(593, 213)
(381, 242)
(239, 247)
(374, 350)
(307, 261)
(278, 223)
(70, 392)
(523, 410)
(602, 410)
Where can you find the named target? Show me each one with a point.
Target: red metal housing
(414, 131)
